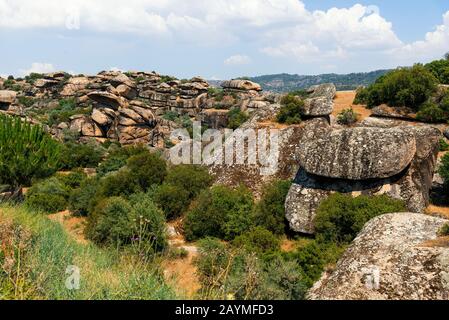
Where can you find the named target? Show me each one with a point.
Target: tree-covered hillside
(289, 82)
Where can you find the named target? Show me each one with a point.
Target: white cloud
(280, 28)
(237, 60)
(434, 45)
(116, 69)
(38, 67)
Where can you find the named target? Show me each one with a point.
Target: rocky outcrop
(358, 153)
(411, 184)
(396, 256)
(7, 97)
(319, 103)
(244, 85)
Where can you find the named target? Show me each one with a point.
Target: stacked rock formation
(397, 161)
(124, 107)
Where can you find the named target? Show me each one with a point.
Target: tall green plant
(26, 151)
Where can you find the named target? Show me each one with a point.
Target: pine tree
(26, 151)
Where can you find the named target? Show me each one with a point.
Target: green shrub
(273, 280)
(49, 196)
(73, 179)
(65, 109)
(444, 230)
(220, 212)
(444, 168)
(291, 110)
(118, 157)
(440, 69)
(33, 76)
(26, 152)
(216, 93)
(269, 213)
(147, 169)
(409, 87)
(76, 155)
(258, 240)
(138, 222)
(109, 223)
(444, 146)
(313, 258)
(236, 117)
(27, 102)
(430, 112)
(182, 184)
(362, 96)
(347, 117)
(148, 225)
(121, 183)
(191, 178)
(340, 217)
(172, 199)
(81, 197)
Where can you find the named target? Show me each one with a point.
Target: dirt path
(73, 225)
(344, 100)
(181, 272)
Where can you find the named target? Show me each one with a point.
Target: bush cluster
(137, 222)
(236, 117)
(291, 110)
(269, 212)
(182, 184)
(52, 195)
(403, 87)
(78, 155)
(340, 217)
(220, 212)
(440, 69)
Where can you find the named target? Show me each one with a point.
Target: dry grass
(441, 242)
(442, 212)
(73, 225)
(182, 275)
(344, 100)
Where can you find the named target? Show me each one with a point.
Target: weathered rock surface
(385, 111)
(358, 153)
(106, 99)
(241, 85)
(395, 257)
(320, 101)
(411, 185)
(7, 96)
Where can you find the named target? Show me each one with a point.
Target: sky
(220, 39)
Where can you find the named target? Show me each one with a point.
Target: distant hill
(289, 82)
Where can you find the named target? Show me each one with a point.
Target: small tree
(446, 56)
(26, 152)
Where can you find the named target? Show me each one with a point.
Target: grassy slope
(39, 265)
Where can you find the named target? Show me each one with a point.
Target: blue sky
(220, 39)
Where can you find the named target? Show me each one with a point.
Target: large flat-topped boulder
(358, 153)
(411, 185)
(7, 96)
(396, 256)
(241, 85)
